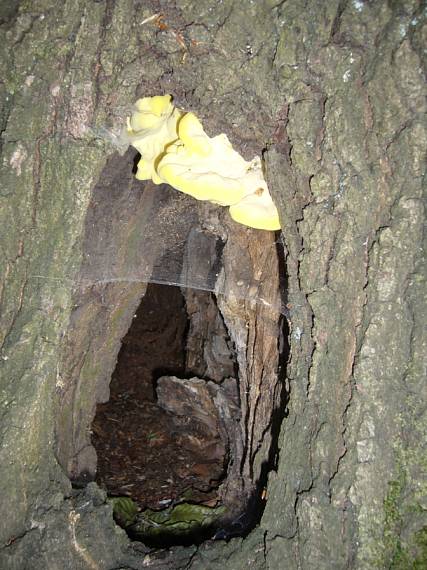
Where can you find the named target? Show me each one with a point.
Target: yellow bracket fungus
(152, 126)
(176, 150)
(206, 168)
(256, 210)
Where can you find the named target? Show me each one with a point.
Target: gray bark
(333, 93)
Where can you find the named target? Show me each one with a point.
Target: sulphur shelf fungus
(152, 126)
(176, 150)
(207, 168)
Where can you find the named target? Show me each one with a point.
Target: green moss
(124, 509)
(404, 560)
(183, 520)
(421, 542)
(402, 555)
(393, 522)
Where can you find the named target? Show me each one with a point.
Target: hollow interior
(159, 438)
(190, 415)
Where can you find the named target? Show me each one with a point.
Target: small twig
(150, 18)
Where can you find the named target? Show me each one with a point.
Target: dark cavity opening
(161, 447)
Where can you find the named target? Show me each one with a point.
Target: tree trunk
(332, 95)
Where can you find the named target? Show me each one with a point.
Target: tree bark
(332, 94)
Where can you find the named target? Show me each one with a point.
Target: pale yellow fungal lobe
(193, 136)
(176, 150)
(152, 126)
(203, 167)
(257, 211)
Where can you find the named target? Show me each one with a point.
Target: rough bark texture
(333, 92)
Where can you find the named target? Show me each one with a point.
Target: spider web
(169, 239)
(174, 240)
